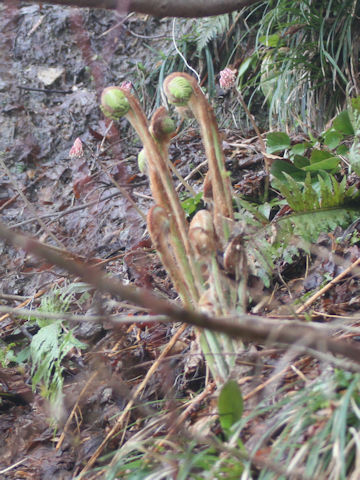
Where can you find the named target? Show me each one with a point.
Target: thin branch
(58, 215)
(327, 287)
(115, 319)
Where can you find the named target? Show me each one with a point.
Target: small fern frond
(209, 28)
(48, 348)
(318, 207)
(309, 225)
(309, 196)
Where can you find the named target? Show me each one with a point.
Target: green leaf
(191, 204)
(279, 167)
(354, 157)
(319, 155)
(342, 150)
(354, 114)
(355, 104)
(326, 164)
(308, 225)
(265, 210)
(277, 141)
(299, 148)
(300, 161)
(209, 28)
(270, 40)
(48, 348)
(332, 139)
(342, 123)
(292, 191)
(230, 405)
(244, 66)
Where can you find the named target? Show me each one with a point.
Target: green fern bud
(114, 103)
(178, 90)
(162, 126)
(168, 125)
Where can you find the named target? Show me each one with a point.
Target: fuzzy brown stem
(158, 224)
(221, 188)
(164, 192)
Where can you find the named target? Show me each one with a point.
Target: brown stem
(159, 8)
(221, 188)
(158, 224)
(163, 129)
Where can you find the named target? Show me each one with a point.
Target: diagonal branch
(247, 327)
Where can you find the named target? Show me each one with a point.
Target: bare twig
(192, 173)
(123, 191)
(66, 212)
(14, 465)
(327, 287)
(115, 319)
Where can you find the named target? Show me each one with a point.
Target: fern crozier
(114, 103)
(162, 126)
(178, 91)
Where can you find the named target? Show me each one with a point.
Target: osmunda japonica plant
(189, 253)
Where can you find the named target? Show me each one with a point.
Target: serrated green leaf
(326, 193)
(253, 209)
(230, 405)
(310, 196)
(309, 225)
(277, 141)
(209, 28)
(47, 349)
(292, 191)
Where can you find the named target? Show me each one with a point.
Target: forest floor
(55, 62)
